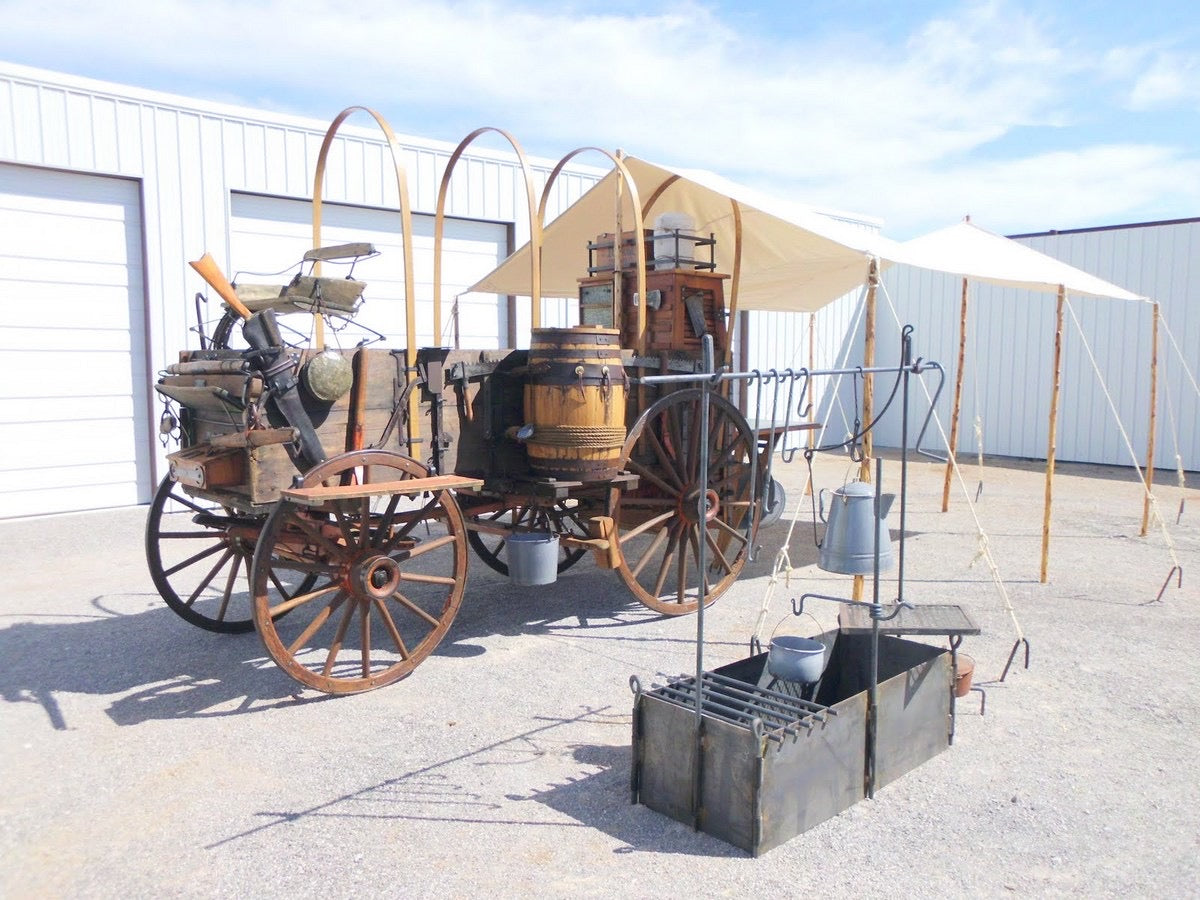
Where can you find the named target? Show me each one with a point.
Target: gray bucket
(532, 557)
(796, 659)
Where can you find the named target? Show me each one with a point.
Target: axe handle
(211, 272)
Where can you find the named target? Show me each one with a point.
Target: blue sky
(1025, 114)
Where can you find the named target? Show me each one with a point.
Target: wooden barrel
(575, 401)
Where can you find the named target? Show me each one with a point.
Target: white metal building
(106, 192)
(1010, 349)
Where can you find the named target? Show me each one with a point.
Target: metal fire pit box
(777, 758)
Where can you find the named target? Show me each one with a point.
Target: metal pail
(532, 557)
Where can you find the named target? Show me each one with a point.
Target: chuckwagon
(327, 497)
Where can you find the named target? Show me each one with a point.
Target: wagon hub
(689, 505)
(375, 576)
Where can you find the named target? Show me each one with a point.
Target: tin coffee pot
(852, 528)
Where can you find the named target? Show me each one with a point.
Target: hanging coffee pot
(852, 529)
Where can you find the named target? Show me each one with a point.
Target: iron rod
(701, 575)
(797, 375)
(906, 354)
(716, 711)
(780, 695)
(872, 689)
(746, 706)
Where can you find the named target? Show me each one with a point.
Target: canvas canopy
(974, 253)
(793, 259)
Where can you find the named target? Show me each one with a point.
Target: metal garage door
(73, 373)
(269, 234)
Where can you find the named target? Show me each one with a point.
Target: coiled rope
(592, 437)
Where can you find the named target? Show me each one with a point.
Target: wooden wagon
(328, 498)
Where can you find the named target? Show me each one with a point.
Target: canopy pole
(406, 236)
(726, 352)
(1153, 424)
(958, 388)
(625, 180)
(619, 246)
(868, 446)
(812, 413)
(439, 226)
(1053, 430)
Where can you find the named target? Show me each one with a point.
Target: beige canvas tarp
(793, 259)
(976, 254)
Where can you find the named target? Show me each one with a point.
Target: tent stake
(958, 386)
(1051, 443)
(1153, 424)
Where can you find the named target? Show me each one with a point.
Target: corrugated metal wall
(1010, 350)
(828, 339)
(190, 156)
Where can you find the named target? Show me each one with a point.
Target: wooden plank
(315, 496)
(932, 618)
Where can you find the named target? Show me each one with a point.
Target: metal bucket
(532, 557)
(796, 658)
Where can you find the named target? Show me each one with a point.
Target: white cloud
(1107, 184)
(896, 129)
(1169, 79)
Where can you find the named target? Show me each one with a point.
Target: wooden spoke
(318, 621)
(192, 560)
(660, 526)
(626, 537)
(340, 636)
(664, 460)
(210, 577)
(430, 546)
(426, 579)
(413, 608)
(390, 624)
(366, 640)
(230, 581)
(379, 548)
(718, 554)
(663, 534)
(651, 476)
(209, 587)
(300, 599)
(313, 532)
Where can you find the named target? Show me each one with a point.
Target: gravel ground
(145, 757)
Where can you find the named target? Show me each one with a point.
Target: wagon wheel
(199, 559)
(390, 570)
(659, 524)
(563, 517)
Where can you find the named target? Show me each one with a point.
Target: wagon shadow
(161, 667)
(156, 666)
(584, 598)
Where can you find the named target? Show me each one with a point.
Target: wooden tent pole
(958, 386)
(864, 469)
(725, 354)
(1058, 333)
(811, 434)
(1153, 424)
(868, 445)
